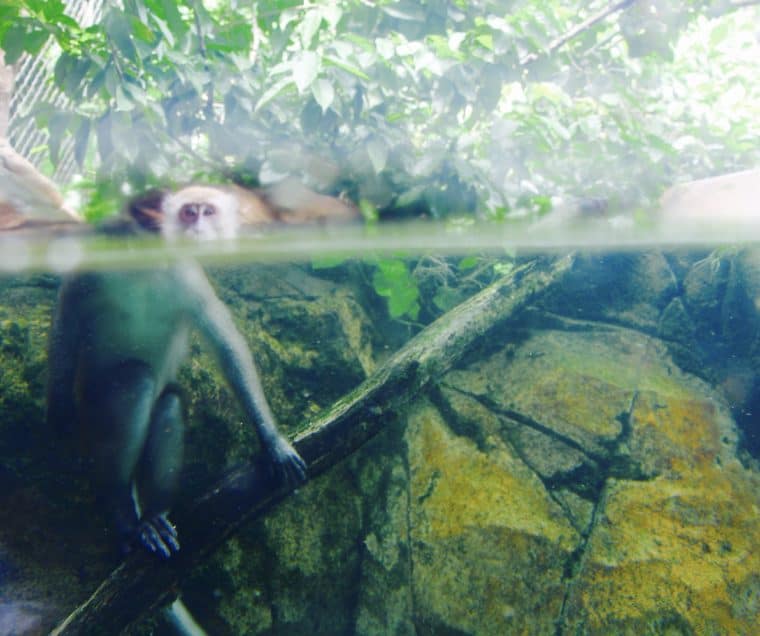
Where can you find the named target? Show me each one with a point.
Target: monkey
(286, 203)
(118, 339)
(292, 203)
(201, 213)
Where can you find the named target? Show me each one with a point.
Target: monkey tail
(181, 620)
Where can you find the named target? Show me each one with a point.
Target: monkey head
(197, 212)
(218, 212)
(200, 212)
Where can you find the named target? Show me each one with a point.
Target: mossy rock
(506, 537)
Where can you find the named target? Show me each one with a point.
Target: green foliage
(487, 108)
(393, 280)
(436, 107)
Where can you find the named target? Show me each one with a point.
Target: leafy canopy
(447, 107)
(441, 107)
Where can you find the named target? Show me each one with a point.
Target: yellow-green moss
(485, 535)
(460, 487)
(681, 544)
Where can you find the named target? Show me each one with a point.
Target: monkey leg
(159, 472)
(115, 406)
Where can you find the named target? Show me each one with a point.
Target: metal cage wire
(34, 86)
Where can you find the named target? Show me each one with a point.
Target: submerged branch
(144, 583)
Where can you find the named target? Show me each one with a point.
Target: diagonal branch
(143, 583)
(726, 6)
(578, 29)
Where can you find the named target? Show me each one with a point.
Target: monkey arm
(63, 346)
(215, 322)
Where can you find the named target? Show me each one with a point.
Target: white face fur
(201, 213)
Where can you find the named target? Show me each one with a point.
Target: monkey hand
(158, 535)
(286, 465)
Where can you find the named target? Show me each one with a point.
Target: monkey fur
(117, 342)
(288, 202)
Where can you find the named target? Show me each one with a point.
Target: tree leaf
(142, 30)
(63, 67)
(404, 301)
(468, 262)
(81, 142)
(105, 141)
(57, 126)
(323, 92)
(369, 211)
(305, 70)
(233, 38)
(123, 102)
(309, 26)
(393, 281)
(14, 42)
(272, 92)
(170, 12)
(405, 10)
(378, 154)
(349, 68)
(119, 33)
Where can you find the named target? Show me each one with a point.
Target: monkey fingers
(295, 469)
(286, 466)
(159, 536)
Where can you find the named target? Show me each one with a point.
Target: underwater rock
(704, 305)
(676, 324)
(311, 336)
(385, 601)
(567, 478)
(42, 502)
(721, 293)
(23, 619)
(292, 572)
(722, 296)
(488, 542)
(628, 289)
(499, 543)
(704, 288)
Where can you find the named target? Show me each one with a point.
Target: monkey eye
(188, 214)
(209, 210)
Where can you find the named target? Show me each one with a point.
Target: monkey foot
(159, 536)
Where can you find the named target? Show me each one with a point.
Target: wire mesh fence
(34, 87)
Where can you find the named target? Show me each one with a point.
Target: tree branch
(740, 4)
(143, 583)
(576, 30)
(724, 7)
(208, 109)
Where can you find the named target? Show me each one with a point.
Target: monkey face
(192, 214)
(200, 213)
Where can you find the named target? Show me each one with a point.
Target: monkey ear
(146, 210)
